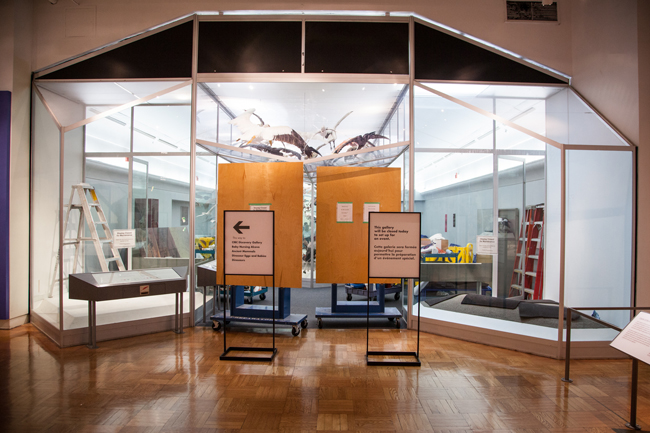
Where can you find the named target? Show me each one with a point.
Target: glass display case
(531, 169)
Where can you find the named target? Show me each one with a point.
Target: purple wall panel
(5, 138)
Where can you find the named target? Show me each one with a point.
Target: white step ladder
(85, 215)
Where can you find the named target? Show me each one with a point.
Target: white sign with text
(124, 238)
(248, 241)
(486, 245)
(394, 245)
(367, 208)
(343, 212)
(634, 339)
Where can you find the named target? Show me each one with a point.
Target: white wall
(643, 271)
(605, 60)
(15, 76)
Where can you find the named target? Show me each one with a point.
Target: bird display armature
(359, 142)
(261, 137)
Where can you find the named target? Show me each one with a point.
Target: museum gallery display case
(510, 154)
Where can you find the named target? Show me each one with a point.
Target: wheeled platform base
(373, 293)
(392, 314)
(296, 321)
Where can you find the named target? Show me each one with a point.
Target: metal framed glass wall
(474, 153)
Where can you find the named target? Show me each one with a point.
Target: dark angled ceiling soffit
(166, 54)
(440, 56)
(330, 47)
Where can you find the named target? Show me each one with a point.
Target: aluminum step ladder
(528, 273)
(84, 206)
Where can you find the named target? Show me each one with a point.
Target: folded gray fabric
(530, 310)
(438, 299)
(491, 301)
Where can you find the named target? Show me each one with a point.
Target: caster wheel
(320, 324)
(304, 324)
(262, 296)
(349, 298)
(295, 331)
(397, 296)
(216, 325)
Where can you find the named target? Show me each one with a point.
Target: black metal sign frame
(369, 353)
(226, 350)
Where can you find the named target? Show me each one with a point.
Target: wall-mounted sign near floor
(394, 245)
(248, 237)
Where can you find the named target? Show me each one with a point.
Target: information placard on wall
(394, 245)
(248, 240)
(634, 339)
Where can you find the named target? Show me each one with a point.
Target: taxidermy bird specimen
(280, 151)
(257, 136)
(359, 142)
(325, 134)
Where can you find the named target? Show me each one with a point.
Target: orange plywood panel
(342, 248)
(279, 184)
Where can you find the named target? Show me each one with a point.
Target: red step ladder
(528, 274)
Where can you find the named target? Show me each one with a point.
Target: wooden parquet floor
(318, 383)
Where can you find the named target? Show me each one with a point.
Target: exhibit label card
(248, 238)
(344, 212)
(486, 245)
(260, 206)
(124, 238)
(369, 207)
(394, 245)
(634, 339)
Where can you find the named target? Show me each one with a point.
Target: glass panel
(525, 106)
(456, 205)
(205, 223)
(599, 235)
(521, 189)
(587, 127)
(161, 217)
(71, 101)
(309, 233)
(159, 128)
(110, 178)
(440, 123)
(44, 233)
(110, 134)
(327, 117)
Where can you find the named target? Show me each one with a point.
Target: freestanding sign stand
(248, 249)
(393, 252)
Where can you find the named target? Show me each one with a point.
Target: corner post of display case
(192, 211)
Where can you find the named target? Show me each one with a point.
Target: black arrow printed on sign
(240, 227)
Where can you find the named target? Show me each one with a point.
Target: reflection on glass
(163, 129)
(302, 120)
(599, 232)
(44, 234)
(109, 134)
(161, 231)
